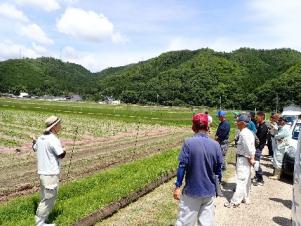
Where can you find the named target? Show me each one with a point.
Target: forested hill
(45, 76)
(244, 79)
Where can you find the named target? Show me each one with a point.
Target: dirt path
(270, 206)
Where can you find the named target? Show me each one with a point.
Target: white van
(291, 113)
(296, 207)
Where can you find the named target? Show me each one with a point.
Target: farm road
(270, 205)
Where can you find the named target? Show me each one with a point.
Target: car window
(296, 131)
(290, 118)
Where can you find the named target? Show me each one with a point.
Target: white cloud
(98, 61)
(47, 5)
(224, 44)
(12, 50)
(87, 25)
(41, 50)
(180, 43)
(34, 32)
(278, 20)
(11, 12)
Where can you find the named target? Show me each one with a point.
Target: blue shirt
(201, 158)
(252, 127)
(223, 131)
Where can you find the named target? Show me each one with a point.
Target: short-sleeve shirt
(223, 131)
(203, 159)
(210, 120)
(48, 148)
(246, 143)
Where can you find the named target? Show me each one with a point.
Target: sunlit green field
(100, 137)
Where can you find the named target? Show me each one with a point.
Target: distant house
(115, 102)
(52, 98)
(24, 95)
(75, 97)
(110, 100)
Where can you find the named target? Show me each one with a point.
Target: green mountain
(44, 76)
(243, 79)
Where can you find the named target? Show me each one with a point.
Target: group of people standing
(202, 160)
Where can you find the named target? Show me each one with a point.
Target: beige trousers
(48, 189)
(192, 210)
(243, 184)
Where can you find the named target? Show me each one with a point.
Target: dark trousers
(270, 147)
(258, 173)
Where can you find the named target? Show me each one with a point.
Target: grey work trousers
(48, 191)
(196, 209)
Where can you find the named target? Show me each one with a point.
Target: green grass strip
(80, 198)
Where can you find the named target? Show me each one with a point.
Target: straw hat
(51, 122)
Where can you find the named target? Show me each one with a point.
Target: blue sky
(104, 33)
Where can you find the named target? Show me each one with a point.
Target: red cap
(200, 118)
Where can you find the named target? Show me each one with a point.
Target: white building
(23, 95)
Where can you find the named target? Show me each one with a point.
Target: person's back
(200, 161)
(48, 148)
(252, 127)
(202, 155)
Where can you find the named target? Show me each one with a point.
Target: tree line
(243, 79)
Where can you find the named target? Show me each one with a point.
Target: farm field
(99, 143)
(99, 138)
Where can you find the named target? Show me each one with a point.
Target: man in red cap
(200, 161)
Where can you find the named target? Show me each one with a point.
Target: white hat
(51, 122)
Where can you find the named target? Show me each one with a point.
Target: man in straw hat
(49, 152)
(200, 161)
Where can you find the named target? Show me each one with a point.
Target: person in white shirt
(49, 152)
(210, 120)
(245, 159)
(281, 144)
(273, 128)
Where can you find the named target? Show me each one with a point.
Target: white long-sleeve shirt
(246, 143)
(48, 148)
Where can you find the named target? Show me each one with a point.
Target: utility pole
(220, 102)
(61, 53)
(277, 103)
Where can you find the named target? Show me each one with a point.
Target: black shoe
(259, 183)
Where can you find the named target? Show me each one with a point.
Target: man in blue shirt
(200, 161)
(222, 135)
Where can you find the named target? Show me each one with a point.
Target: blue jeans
(258, 173)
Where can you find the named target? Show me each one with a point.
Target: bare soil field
(90, 154)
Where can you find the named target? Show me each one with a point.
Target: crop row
(20, 168)
(125, 113)
(78, 199)
(21, 124)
